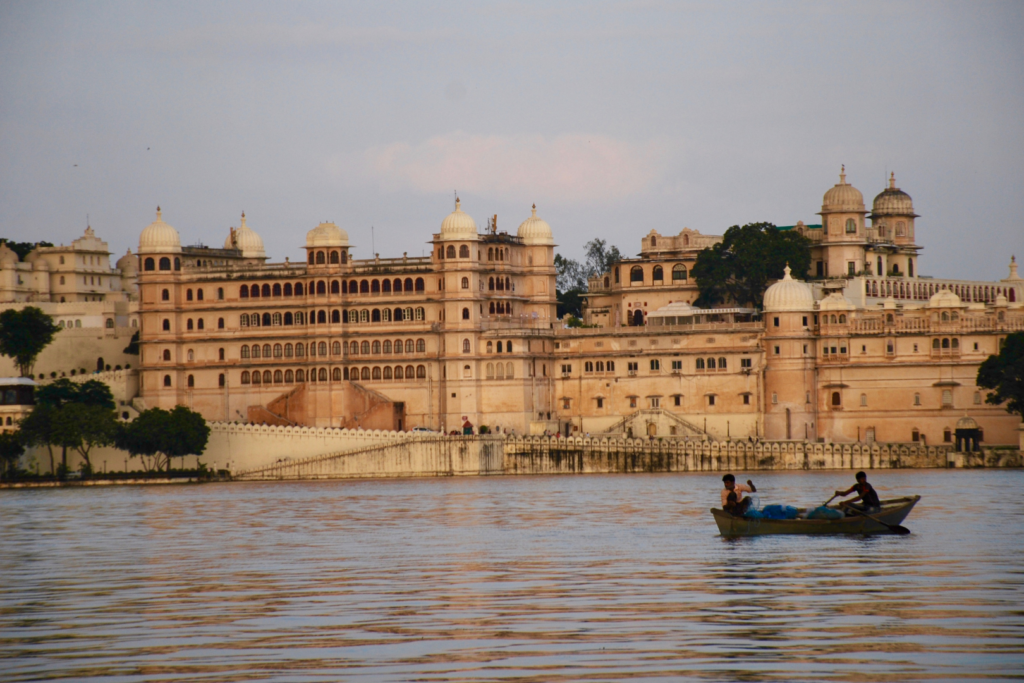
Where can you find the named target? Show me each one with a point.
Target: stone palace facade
(865, 349)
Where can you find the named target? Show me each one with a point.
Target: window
(915, 435)
(775, 321)
(746, 399)
(777, 350)
(677, 366)
(837, 399)
(588, 367)
(165, 295)
(463, 251)
(465, 314)
(191, 381)
(167, 325)
(167, 380)
(658, 274)
(851, 226)
(917, 399)
(220, 380)
(700, 364)
(636, 274)
(632, 367)
(677, 400)
(245, 377)
(465, 346)
(220, 354)
(655, 364)
(632, 401)
(947, 435)
(711, 400)
(864, 400)
(465, 283)
(654, 401)
(977, 398)
(600, 402)
(721, 364)
(748, 363)
(167, 354)
(679, 272)
(947, 398)
(245, 351)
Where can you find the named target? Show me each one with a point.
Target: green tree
(571, 276)
(83, 427)
(162, 435)
(739, 268)
(11, 449)
(64, 391)
(22, 249)
(1003, 375)
(36, 429)
(57, 419)
(133, 345)
(24, 334)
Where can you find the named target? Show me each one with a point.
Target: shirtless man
(733, 500)
(866, 494)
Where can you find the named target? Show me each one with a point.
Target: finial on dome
(787, 271)
(1013, 269)
(158, 212)
(892, 180)
(842, 175)
(534, 209)
(243, 221)
(458, 203)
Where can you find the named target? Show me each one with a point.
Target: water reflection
(558, 578)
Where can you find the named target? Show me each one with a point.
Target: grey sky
(614, 118)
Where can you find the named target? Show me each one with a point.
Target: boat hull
(893, 512)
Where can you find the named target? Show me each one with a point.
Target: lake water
(601, 577)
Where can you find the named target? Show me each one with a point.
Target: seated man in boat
(733, 500)
(866, 494)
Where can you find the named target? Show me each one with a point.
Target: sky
(614, 118)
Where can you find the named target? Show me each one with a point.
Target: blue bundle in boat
(779, 512)
(823, 512)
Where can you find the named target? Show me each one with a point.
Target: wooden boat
(894, 511)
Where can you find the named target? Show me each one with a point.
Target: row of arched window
(502, 348)
(500, 284)
(499, 308)
(321, 258)
(636, 274)
(165, 263)
(319, 287)
(499, 254)
(945, 343)
(450, 252)
(711, 364)
(599, 366)
(322, 317)
(337, 348)
(500, 371)
(386, 373)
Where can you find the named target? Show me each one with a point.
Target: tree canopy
(69, 415)
(22, 249)
(24, 334)
(11, 449)
(164, 434)
(1003, 375)
(571, 275)
(738, 269)
(64, 391)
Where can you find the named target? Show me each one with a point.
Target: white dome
(128, 264)
(843, 197)
(250, 244)
(944, 298)
(327, 235)
(8, 258)
(458, 225)
(159, 238)
(535, 230)
(835, 302)
(788, 295)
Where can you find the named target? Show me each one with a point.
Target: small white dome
(535, 230)
(128, 264)
(250, 244)
(327, 235)
(944, 298)
(788, 295)
(843, 197)
(835, 302)
(159, 238)
(8, 258)
(458, 225)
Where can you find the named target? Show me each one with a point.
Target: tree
(739, 268)
(64, 391)
(71, 415)
(24, 334)
(36, 428)
(22, 249)
(11, 449)
(133, 345)
(82, 427)
(571, 276)
(1003, 375)
(162, 435)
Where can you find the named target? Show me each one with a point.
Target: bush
(484, 429)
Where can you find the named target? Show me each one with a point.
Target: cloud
(573, 167)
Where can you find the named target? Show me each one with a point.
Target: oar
(895, 528)
(828, 501)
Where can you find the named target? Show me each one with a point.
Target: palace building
(864, 348)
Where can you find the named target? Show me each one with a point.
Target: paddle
(895, 528)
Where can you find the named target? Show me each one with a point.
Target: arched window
(335, 316)
(842, 319)
(450, 251)
(945, 343)
(397, 286)
(375, 347)
(399, 373)
(167, 354)
(300, 350)
(276, 291)
(679, 273)
(267, 377)
(658, 273)
(421, 371)
(167, 325)
(465, 346)
(245, 377)
(836, 398)
(288, 319)
(721, 364)
(409, 284)
(320, 260)
(364, 348)
(165, 295)
(287, 289)
(321, 287)
(700, 363)
(266, 350)
(364, 373)
(636, 274)
(463, 251)
(288, 352)
(256, 353)
(148, 264)
(385, 286)
(245, 351)
(321, 317)
(188, 324)
(465, 314)
(165, 264)
(864, 400)
(711, 363)
(312, 258)
(901, 229)
(638, 318)
(375, 314)
(336, 374)
(465, 283)
(409, 346)
(298, 289)
(167, 380)
(188, 295)
(851, 225)
(334, 257)
(322, 375)
(385, 314)
(278, 350)
(289, 377)
(300, 376)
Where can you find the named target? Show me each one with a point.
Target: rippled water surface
(506, 578)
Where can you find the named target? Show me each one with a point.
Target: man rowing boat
(866, 494)
(733, 500)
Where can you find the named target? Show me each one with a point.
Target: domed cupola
(843, 197)
(458, 225)
(892, 201)
(159, 238)
(536, 230)
(128, 264)
(327, 235)
(788, 295)
(8, 257)
(246, 240)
